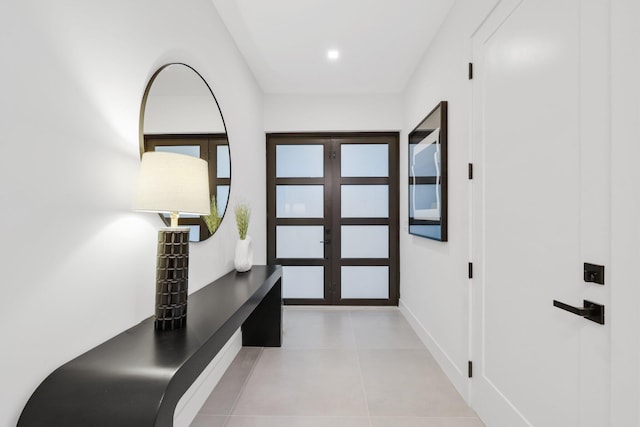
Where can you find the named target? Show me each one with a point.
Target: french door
(332, 217)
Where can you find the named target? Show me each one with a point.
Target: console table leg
(263, 328)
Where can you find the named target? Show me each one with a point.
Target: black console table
(138, 377)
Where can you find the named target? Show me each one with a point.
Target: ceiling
(285, 42)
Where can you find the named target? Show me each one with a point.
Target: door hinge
(470, 70)
(470, 270)
(470, 170)
(470, 369)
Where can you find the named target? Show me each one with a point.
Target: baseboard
(190, 403)
(459, 378)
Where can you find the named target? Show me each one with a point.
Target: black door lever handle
(580, 311)
(591, 310)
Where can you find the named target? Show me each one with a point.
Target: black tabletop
(137, 377)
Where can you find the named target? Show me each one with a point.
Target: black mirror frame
(415, 136)
(141, 135)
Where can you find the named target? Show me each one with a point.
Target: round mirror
(180, 114)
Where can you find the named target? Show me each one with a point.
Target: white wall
(78, 265)
(434, 287)
(327, 113)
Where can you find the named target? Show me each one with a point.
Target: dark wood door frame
(332, 220)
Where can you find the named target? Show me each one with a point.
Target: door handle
(326, 242)
(591, 310)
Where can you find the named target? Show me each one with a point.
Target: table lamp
(172, 183)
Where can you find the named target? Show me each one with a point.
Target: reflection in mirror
(180, 114)
(428, 176)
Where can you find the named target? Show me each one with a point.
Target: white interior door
(539, 212)
(625, 244)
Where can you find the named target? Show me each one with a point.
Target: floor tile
(383, 328)
(319, 382)
(409, 383)
(347, 367)
(317, 329)
(244, 421)
(224, 396)
(209, 421)
(425, 422)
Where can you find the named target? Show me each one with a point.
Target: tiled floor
(337, 368)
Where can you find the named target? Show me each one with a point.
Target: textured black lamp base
(172, 271)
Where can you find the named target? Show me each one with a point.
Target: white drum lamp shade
(170, 182)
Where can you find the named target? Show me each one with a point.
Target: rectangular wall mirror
(428, 176)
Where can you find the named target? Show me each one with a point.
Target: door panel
(365, 241)
(352, 164)
(303, 282)
(299, 201)
(223, 162)
(299, 161)
(365, 201)
(300, 241)
(332, 214)
(365, 282)
(527, 241)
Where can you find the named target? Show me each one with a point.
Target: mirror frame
(141, 134)
(419, 134)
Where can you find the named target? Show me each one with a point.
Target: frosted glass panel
(365, 282)
(194, 233)
(365, 201)
(303, 282)
(299, 201)
(299, 161)
(304, 241)
(224, 163)
(222, 196)
(364, 160)
(365, 241)
(187, 150)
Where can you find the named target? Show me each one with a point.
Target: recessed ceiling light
(333, 54)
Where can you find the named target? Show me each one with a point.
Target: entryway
(332, 217)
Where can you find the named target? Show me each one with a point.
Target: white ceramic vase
(243, 260)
